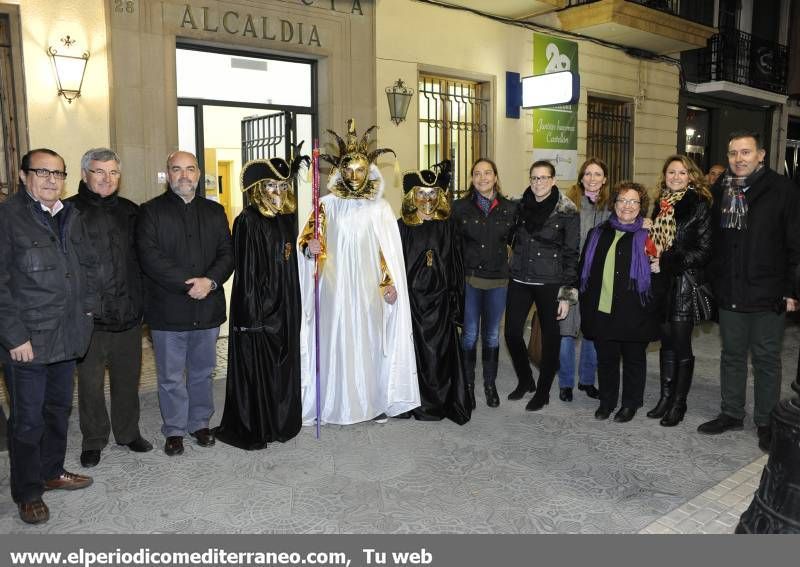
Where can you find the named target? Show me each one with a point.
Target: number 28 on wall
(124, 6)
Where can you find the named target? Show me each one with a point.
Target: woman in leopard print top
(682, 235)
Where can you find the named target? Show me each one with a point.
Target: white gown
(367, 364)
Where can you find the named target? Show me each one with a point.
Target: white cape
(367, 364)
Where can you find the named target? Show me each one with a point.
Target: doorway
(235, 106)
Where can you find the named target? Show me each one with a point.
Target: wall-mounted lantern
(69, 70)
(399, 96)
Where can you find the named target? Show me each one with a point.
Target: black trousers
(518, 304)
(122, 353)
(634, 372)
(40, 398)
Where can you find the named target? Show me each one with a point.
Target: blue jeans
(483, 308)
(587, 364)
(40, 401)
(185, 361)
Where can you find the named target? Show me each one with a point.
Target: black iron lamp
(70, 70)
(775, 508)
(399, 96)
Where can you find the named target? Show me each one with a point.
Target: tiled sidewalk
(715, 511)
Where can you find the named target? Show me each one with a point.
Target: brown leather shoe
(35, 512)
(173, 446)
(68, 481)
(205, 438)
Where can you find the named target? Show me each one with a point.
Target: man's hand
(792, 304)
(22, 353)
(201, 287)
(390, 294)
(314, 246)
(563, 310)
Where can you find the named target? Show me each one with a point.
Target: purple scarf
(640, 265)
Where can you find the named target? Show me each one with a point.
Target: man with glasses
(185, 251)
(117, 338)
(47, 298)
(756, 251)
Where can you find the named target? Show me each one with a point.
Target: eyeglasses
(629, 202)
(103, 172)
(540, 178)
(42, 172)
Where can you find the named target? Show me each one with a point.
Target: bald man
(186, 255)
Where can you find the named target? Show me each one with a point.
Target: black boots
(469, 375)
(489, 358)
(666, 359)
(683, 382)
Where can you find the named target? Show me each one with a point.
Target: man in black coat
(117, 337)
(756, 250)
(186, 254)
(47, 296)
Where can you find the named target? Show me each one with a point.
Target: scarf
(734, 205)
(591, 195)
(640, 265)
(664, 226)
(533, 213)
(484, 204)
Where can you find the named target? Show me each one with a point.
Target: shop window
(13, 120)
(453, 124)
(609, 131)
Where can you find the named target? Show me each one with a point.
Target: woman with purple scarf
(617, 309)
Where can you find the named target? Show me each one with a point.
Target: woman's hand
(654, 266)
(647, 223)
(314, 246)
(390, 294)
(563, 310)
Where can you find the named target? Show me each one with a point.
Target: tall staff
(315, 205)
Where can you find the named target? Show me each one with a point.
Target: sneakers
(720, 424)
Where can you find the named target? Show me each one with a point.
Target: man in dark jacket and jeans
(186, 254)
(117, 337)
(756, 250)
(46, 302)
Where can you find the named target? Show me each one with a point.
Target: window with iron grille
(453, 124)
(609, 128)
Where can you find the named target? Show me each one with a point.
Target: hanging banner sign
(555, 128)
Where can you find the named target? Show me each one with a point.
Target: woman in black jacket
(483, 218)
(617, 309)
(544, 268)
(682, 236)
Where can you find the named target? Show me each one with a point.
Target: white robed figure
(367, 363)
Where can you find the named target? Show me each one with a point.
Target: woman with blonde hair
(590, 195)
(682, 236)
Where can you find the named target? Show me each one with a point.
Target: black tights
(677, 337)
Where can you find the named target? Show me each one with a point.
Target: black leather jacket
(690, 253)
(484, 239)
(47, 283)
(551, 255)
(111, 222)
(177, 242)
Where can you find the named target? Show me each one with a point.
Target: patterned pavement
(506, 471)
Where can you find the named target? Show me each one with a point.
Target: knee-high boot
(683, 383)
(490, 357)
(469, 374)
(666, 359)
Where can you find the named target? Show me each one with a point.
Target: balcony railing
(739, 57)
(698, 11)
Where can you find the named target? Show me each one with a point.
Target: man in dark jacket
(186, 254)
(117, 337)
(756, 250)
(46, 301)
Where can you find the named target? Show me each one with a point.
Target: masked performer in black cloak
(262, 397)
(435, 277)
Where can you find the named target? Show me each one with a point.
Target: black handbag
(704, 306)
